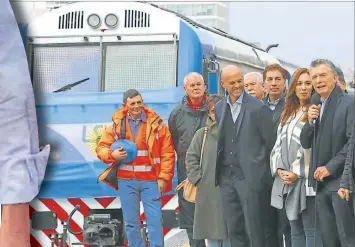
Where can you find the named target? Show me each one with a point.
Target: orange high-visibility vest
(141, 168)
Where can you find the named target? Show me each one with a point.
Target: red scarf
(198, 106)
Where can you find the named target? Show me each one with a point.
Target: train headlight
(111, 20)
(94, 20)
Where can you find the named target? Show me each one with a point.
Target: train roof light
(111, 20)
(94, 21)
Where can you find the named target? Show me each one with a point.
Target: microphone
(315, 100)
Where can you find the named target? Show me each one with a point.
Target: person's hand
(281, 174)
(344, 194)
(287, 177)
(119, 154)
(290, 178)
(313, 112)
(321, 173)
(161, 185)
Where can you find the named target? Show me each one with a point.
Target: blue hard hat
(129, 147)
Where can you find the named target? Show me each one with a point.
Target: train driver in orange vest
(148, 175)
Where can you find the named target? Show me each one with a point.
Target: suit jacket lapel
(220, 125)
(242, 111)
(279, 106)
(223, 114)
(336, 96)
(326, 123)
(240, 118)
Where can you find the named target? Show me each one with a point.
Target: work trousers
(131, 192)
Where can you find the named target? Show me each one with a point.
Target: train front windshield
(111, 67)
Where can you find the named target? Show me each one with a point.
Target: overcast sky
(305, 31)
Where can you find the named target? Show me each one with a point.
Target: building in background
(211, 14)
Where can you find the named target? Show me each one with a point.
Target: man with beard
(184, 121)
(245, 140)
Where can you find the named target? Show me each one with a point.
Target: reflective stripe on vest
(143, 167)
(142, 153)
(140, 168)
(142, 162)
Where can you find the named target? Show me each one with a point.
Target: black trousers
(336, 219)
(270, 220)
(241, 206)
(284, 228)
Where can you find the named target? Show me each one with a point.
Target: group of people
(282, 160)
(273, 165)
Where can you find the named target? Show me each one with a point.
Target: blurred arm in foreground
(22, 162)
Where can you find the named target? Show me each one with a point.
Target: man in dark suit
(347, 180)
(274, 77)
(275, 83)
(329, 137)
(245, 141)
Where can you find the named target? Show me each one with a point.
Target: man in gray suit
(245, 140)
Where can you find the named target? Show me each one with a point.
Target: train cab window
(140, 66)
(60, 67)
(74, 68)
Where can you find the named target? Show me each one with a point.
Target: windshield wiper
(69, 86)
